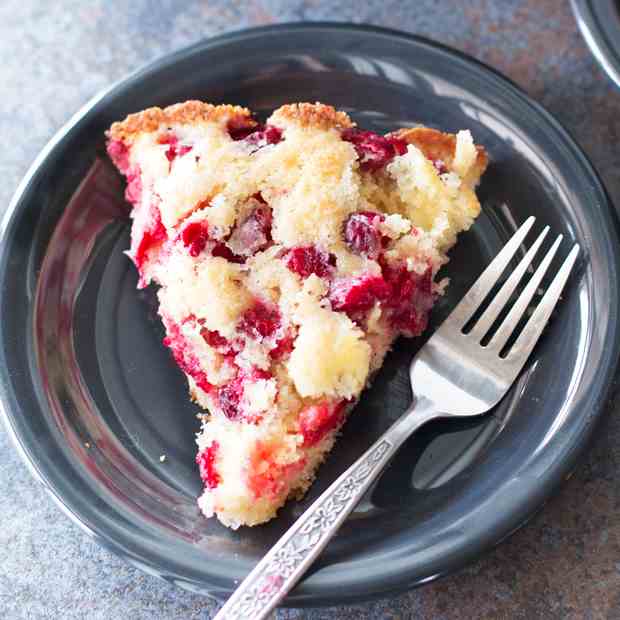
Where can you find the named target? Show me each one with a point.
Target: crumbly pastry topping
(289, 255)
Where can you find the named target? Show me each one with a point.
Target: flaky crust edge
(316, 115)
(188, 112)
(434, 144)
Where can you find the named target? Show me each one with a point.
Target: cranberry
(185, 358)
(195, 236)
(410, 321)
(374, 151)
(261, 320)
(404, 283)
(133, 191)
(240, 127)
(266, 477)
(245, 128)
(265, 134)
(223, 251)
(215, 339)
(362, 234)
(306, 260)
(440, 166)
(317, 420)
(283, 348)
(174, 150)
(254, 233)
(230, 398)
(258, 374)
(354, 295)
(119, 154)
(153, 234)
(231, 395)
(410, 298)
(206, 465)
(401, 282)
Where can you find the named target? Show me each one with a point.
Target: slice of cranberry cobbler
(289, 257)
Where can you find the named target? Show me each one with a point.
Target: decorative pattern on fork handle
(303, 537)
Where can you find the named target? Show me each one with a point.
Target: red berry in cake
(222, 345)
(267, 134)
(133, 191)
(195, 236)
(254, 233)
(239, 128)
(398, 144)
(153, 234)
(283, 347)
(230, 396)
(410, 297)
(307, 260)
(119, 154)
(183, 354)
(223, 251)
(440, 166)
(354, 295)
(258, 374)
(260, 321)
(318, 420)
(268, 478)
(374, 151)
(254, 133)
(214, 339)
(174, 149)
(206, 465)
(362, 233)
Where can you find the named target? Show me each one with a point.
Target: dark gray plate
(93, 399)
(599, 22)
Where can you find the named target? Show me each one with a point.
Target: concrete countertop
(55, 55)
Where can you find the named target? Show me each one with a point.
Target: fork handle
(281, 568)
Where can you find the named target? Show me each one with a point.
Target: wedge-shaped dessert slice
(289, 257)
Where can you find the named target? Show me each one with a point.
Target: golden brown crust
(435, 144)
(187, 112)
(316, 115)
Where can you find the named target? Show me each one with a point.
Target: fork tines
(472, 301)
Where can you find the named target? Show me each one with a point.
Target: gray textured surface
(56, 55)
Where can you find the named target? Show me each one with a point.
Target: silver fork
(453, 375)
